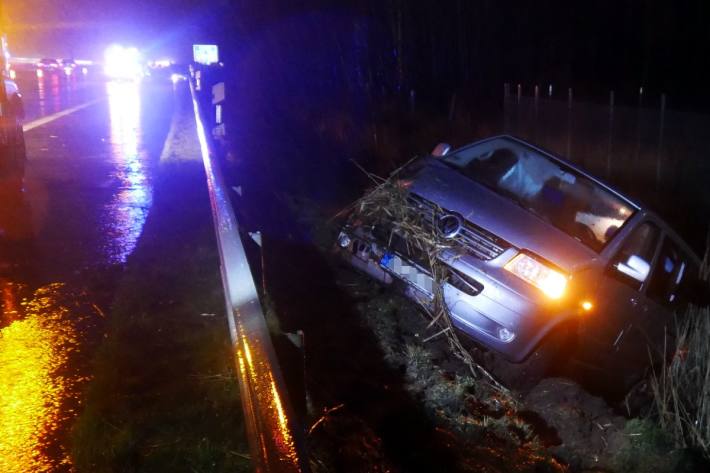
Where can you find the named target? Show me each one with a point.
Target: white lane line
(50, 118)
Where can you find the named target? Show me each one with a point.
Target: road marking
(50, 118)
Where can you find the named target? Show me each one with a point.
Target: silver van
(545, 254)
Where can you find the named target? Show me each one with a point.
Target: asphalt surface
(92, 151)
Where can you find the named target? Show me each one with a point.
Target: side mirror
(635, 267)
(442, 149)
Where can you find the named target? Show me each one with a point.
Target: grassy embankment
(164, 396)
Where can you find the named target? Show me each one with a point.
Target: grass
(648, 447)
(445, 392)
(640, 452)
(482, 421)
(682, 388)
(164, 396)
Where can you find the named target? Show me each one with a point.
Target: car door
(610, 335)
(667, 296)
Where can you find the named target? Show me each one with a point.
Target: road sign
(205, 53)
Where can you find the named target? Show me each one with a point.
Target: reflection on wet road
(53, 93)
(126, 214)
(39, 341)
(87, 194)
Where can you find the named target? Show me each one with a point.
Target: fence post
(506, 108)
(452, 107)
(535, 110)
(517, 113)
(637, 152)
(569, 123)
(659, 152)
(611, 134)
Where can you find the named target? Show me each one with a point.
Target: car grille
(474, 239)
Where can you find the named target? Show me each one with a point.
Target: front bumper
(497, 312)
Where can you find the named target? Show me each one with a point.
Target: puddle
(42, 336)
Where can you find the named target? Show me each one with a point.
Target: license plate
(404, 270)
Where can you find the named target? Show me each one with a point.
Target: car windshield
(554, 192)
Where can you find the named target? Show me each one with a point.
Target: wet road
(55, 93)
(92, 150)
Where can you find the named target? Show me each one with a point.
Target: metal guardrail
(275, 439)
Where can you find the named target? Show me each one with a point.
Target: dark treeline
(436, 48)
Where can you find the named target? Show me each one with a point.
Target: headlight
(548, 280)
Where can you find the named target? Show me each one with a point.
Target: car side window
(632, 263)
(671, 275)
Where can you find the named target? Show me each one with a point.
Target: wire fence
(654, 154)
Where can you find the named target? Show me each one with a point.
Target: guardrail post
(218, 101)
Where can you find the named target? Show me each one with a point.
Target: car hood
(449, 189)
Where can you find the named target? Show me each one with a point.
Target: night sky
(591, 46)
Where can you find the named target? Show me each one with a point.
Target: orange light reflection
(255, 370)
(38, 388)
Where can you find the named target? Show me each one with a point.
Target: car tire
(549, 357)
